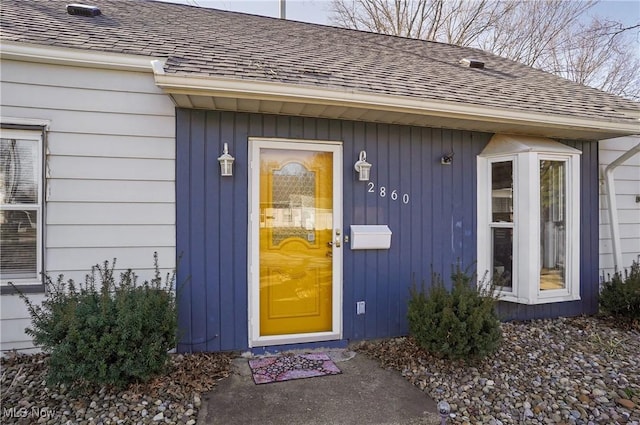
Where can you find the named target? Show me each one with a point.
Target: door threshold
(276, 349)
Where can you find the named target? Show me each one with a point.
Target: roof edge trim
(261, 90)
(76, 57)
(504, 144)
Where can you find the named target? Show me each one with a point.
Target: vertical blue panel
(361, 277)
(386, 215)
(228, 233)
(240, 213)
(183, 194)
(413, 175)
(423, 212)
(589, 227)
(400, 286)
(436, 201)
(211, 229)
(432, 230)
(341, 130)
(197, 239)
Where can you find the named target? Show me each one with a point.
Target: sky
(317, 11)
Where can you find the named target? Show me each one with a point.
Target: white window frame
(506, 225)
(36, 135)
(526, 155)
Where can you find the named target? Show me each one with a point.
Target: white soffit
(190, 91)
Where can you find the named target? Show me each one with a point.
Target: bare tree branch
(546, 34)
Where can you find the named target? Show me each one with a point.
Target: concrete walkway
(363, 394)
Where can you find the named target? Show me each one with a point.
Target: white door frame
(255, 145)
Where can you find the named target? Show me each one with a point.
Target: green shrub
(620, 295)
(461, 324)
(102, 332)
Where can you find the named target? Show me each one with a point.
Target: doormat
(288, 366)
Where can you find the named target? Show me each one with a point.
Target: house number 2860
(383, 193)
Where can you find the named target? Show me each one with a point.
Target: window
(528, 219)
(20, 207)
(553, 241)
(501, 224)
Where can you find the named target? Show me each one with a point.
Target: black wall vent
(83, 10)
(472, 63)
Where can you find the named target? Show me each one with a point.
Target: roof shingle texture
(218, 43)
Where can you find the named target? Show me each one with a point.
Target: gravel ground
(564, 371)
(173, 398)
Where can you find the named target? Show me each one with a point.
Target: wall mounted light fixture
(362, 167)
(447, 159)
(226, 162)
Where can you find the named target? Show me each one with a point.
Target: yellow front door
(295, 241)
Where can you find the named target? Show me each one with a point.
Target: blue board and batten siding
(433, 220)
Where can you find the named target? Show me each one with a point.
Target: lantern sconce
(226, 162)
(362, 167)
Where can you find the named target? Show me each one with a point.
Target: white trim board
(77, 57)
(208, 86)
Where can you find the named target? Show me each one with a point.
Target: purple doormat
(288, 366)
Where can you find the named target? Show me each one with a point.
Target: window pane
(502, 191)
(502, 248)
(18, 171)
(552, 224)
(19, 244)
(294, 204)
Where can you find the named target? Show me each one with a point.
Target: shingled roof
(211, 43)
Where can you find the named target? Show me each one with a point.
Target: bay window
(20, 207)
(528, 219)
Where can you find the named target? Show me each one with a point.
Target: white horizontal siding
(15, 318)
(101, 213)
(62, 260)
(111, 236)
(619, 144)
(627, 231)
(110, 168)
(626, 172)
(99, 122)
(101, 168)
(79, 276)
(624, 216)
(68, 190)
(623, 187)
(628, 246)
(72, 144)
(77, 77)
(627, 187)
(608, 156)
(624, 202)
(627, 258)
(86, 100)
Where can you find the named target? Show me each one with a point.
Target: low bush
(620, 294)
(461, 324)
(105, 332)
